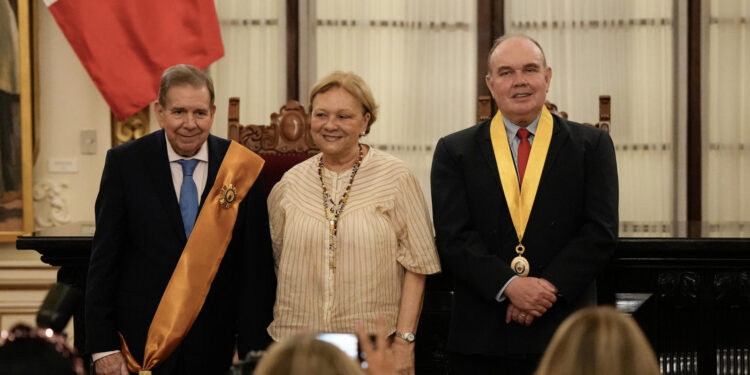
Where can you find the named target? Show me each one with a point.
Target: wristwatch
(407, 336)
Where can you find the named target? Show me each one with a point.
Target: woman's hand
(403, 356)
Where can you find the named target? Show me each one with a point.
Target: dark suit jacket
(570, 236)
(138, 241)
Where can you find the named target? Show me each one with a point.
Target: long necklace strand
(333, 213)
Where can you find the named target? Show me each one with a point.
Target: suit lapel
(215, 157)
(496, 200)
(161, 175)
(560, 136)
(488, 154)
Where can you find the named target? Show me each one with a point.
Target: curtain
(419, 58)
(254, 65)
(624, 49)
(726, 167)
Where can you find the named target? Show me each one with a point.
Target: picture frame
(16, 119)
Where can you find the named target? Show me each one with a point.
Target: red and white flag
(125, 45)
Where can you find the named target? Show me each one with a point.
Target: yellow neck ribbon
(521, 198)
(192, 277)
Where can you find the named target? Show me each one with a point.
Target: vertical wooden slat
(694, 149)
(490, 25)
(292, 49)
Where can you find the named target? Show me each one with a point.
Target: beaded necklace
(333, 213)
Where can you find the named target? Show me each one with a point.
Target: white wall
(68, 102)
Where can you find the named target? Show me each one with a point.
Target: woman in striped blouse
(352, 237)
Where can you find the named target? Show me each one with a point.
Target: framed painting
(16, 117)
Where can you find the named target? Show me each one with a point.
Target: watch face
(407, 336)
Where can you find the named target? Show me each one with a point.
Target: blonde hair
(304, 354)
(354, 85)
(598, 341)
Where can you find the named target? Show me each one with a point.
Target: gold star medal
(228, 195)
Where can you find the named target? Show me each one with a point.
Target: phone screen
(346, 342)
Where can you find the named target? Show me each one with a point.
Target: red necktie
(524, 149)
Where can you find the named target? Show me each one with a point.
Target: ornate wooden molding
(131, 128)
(289, 131)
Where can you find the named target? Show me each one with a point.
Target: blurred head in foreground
(30, 351)
(303, 354)
(598, 341)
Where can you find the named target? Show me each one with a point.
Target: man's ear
(488, 82)
(159, 110)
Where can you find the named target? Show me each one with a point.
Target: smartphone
(346, 342)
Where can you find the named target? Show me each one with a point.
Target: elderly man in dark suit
(525, 211)
(181, 269)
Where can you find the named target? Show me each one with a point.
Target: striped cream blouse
(384, 229)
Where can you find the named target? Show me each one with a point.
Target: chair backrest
(284, 143)
(484, 111)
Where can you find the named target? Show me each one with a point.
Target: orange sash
(200, 260)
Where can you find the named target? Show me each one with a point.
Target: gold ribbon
(521, 199)
(192, 277)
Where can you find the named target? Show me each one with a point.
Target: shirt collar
(511, 129)
(202, 154)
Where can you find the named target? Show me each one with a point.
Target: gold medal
(227, 196)
(519, 264)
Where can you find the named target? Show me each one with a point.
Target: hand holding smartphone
(375, 356)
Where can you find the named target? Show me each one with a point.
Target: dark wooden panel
(490, 26)
(292, 49)
(694, 125)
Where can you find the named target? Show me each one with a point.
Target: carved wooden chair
(283, 144)
(484, 111)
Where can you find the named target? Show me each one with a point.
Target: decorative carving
(679, 290)
(552, 107)
(732, 289)
(604, 113)
(50, 204)
(131, 128)
(288, 133)
(484, 110)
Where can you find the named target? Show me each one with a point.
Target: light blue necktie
(188, 195)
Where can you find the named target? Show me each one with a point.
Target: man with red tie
(525, 211)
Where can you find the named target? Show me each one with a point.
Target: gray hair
(183, 74)
(505, 37)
